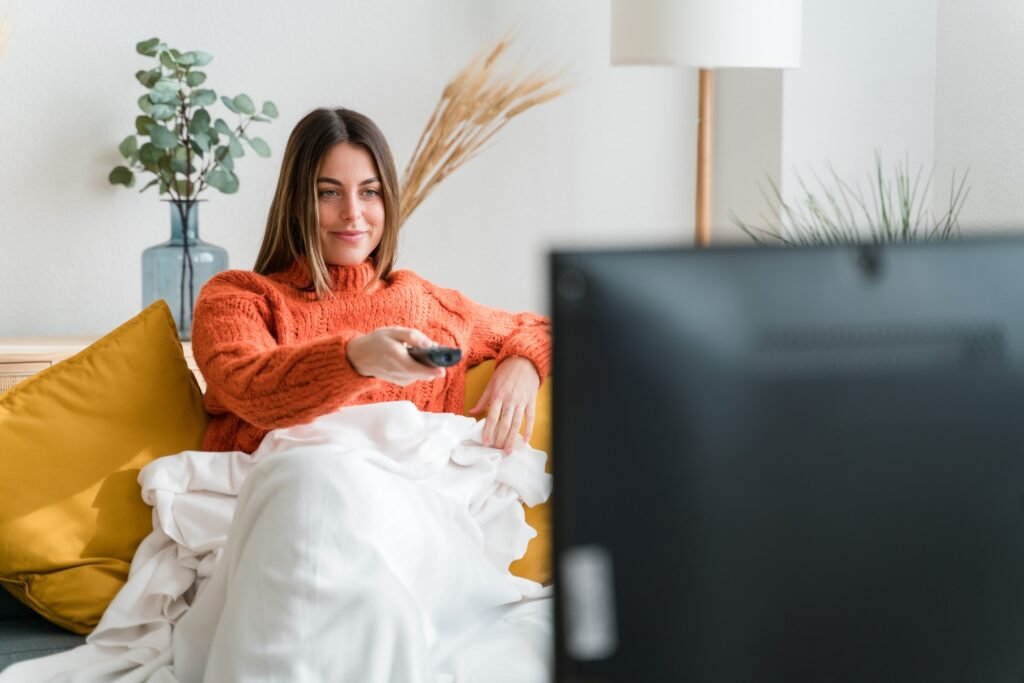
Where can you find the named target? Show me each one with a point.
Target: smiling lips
(349, 235)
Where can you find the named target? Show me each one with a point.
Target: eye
(370, 194)
(327, 194)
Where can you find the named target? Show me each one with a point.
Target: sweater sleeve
(247, 372)
(499, 334)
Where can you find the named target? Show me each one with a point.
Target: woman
(324, 323)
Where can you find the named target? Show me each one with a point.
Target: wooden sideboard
(22, 357)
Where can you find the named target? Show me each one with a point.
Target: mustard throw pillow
(536, 563)
(72, 441)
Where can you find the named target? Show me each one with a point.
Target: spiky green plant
(835, 212)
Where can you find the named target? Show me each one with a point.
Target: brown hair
(293, 224)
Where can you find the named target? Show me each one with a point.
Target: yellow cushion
(72, 441)
(536, 563)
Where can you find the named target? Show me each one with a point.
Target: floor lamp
(707, 34)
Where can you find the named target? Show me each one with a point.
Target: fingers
(491, 423)
(410, 336)
(509, 428)
(502, 425)
(384, 353)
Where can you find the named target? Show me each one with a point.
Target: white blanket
(493, 627)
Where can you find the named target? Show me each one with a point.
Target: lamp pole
(702, 229)
(706, 34)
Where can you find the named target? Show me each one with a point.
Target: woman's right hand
(384, 354)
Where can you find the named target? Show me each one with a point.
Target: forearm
(266, 383)
(284, 385)
(502, 335)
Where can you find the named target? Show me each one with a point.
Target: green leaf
(195, 78)
(203, 98)
(145, 104)
(149, 156)
(166, 85)
(148, 47)
(223, 180)
(224, 158)
(179, 166)
(261, 119)
(150, 184)
(200, 121)
(202, 141)
(235, 147)
(163, 138)
(163, 96)
(214, 137)
(129, 148)
(175, 54)
(229, 103)
(162, 112)
(270, 109)
(164, 90)
(197, 58)
(121, 176)
(179, 161)
(143, 124)
(260, 147)
(148, 78)
(167, 60)
(243, 103)
(183, 187)
(222, 127)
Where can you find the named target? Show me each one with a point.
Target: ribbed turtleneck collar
(343, 278)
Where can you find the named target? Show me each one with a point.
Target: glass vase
(176, 270)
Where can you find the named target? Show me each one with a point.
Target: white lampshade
(707, 33)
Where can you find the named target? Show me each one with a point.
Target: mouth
(348, 235)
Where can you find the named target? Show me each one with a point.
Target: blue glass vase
(176, 270)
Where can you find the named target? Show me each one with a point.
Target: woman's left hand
(509, 398)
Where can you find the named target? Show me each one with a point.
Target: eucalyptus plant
(178, 141)
(182, 145)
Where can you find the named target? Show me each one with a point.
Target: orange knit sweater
(273, 355)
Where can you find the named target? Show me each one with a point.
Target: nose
(350, 210)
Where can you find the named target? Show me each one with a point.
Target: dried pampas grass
(474, 106)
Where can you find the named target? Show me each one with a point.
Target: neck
(341, 279)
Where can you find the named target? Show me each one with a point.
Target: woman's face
(350, 205)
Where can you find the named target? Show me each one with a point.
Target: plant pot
(176, 270)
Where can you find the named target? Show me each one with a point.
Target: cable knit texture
(273, 355)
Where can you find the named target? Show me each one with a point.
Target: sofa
(101, 495)
(26, 635)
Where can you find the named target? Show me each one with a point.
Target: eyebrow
(332, 181)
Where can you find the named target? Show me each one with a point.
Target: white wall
(866, 83)
(980, 109)
(600, 166)
(748, 146)
(611, 163)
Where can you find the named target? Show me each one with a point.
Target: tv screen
(790, 464)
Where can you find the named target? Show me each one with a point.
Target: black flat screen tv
(790, 464)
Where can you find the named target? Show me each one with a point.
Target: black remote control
(436, 356)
